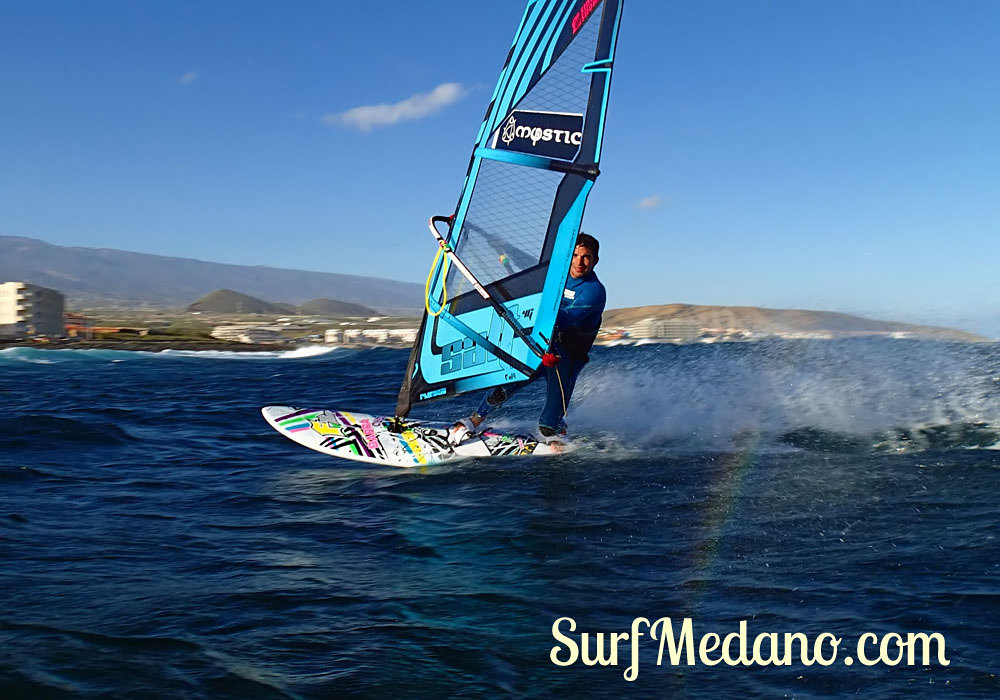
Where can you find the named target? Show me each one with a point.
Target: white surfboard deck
(365, 438)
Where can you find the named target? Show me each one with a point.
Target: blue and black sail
(491, 311)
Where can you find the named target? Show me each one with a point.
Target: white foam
(56, 356)
(303, 352)
(27, 354)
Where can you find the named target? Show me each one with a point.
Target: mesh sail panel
(505, 225)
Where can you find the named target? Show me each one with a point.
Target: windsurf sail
(494, 289)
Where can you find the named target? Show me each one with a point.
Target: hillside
(332, 307)
(105, 277)
(763, 320)
(226, 301)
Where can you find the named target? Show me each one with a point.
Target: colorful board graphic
(365, 438)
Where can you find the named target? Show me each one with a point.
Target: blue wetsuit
(577, 324)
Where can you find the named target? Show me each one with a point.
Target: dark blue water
(157, 538)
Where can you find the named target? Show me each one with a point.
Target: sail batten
(514, 227)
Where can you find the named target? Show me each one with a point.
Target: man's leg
(560, 382)
(466, 427)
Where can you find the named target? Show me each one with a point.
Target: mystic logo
(548, 134)
(583, 13)
(509, 130)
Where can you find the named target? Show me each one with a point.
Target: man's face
(583, 262)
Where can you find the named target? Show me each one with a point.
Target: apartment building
(27, 309)
(668, 329)
(248, 333)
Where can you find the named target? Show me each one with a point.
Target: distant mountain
(761, 320)
(332, 307)
(100, 276)
(226, 301)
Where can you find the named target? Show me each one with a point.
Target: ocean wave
(42, 356)
(915, 438)
(846, 396)
(48, 430)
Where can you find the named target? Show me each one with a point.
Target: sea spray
(715, 395)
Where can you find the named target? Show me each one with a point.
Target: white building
(377, 335)
(370, 335)
(27, 309)
(405, 335)
(247, 334)
(677, 330)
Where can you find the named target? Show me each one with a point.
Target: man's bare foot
(463, 429)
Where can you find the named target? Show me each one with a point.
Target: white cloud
(650, 202)
(188, 78)
(424, 104)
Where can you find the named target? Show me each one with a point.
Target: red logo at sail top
(583, 13)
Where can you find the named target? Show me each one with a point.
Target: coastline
(147, 345)
(229, 346)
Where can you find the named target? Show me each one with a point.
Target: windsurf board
(375, 439)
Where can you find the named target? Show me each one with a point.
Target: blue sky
(833, 154)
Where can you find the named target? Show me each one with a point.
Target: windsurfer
(577, 324)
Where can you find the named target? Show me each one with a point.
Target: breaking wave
(41, 356)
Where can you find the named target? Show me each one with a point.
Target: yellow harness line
(427, 286)
(562, 392)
